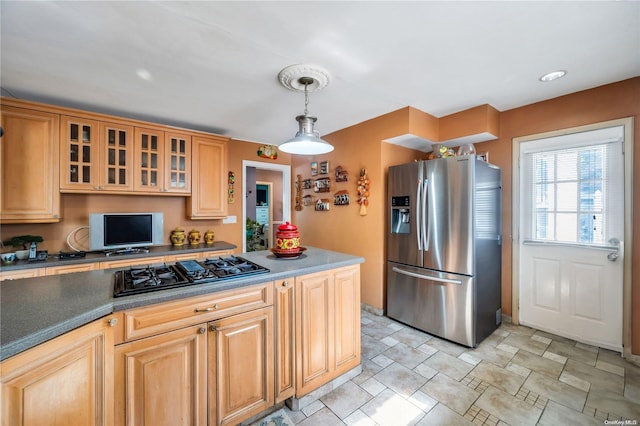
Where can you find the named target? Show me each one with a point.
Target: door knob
(612, 256)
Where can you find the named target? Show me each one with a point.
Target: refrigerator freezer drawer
(439, 303)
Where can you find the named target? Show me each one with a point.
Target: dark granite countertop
(92, 257)
(34, 310)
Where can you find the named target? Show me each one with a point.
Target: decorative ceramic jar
(194, 237)
(177, 237)
(209, 237)
(287, 238)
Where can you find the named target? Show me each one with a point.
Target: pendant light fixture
(308, 78)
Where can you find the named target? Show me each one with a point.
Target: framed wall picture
(314, 168)
(324, 167)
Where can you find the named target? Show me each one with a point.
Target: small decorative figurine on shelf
(209, 237)
(363, 191)
(194, 237)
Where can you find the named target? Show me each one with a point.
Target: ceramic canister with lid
(287, 238)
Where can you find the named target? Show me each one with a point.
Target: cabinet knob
(112, 322)
(285, 283)
(202, 330)
(212, 328)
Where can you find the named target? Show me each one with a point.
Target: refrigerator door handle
(426, 235)
(418, 214)
(426, 277)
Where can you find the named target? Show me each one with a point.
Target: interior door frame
(628, 221)
(285, 169)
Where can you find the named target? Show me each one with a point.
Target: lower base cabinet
(63, 382)
(215, 373)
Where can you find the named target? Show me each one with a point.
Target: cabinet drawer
(22, 273)
(67, 269)
(158, 260)
(154, 319)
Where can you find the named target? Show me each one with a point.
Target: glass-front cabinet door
(95, 156)
(79, 151)
(149, 168)
(177, 163)
(117, 157)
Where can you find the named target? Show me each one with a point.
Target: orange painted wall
(602, 103)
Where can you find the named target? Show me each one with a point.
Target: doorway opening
(267, 202)
(572, 233)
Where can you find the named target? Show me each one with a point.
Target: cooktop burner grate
(136, 280)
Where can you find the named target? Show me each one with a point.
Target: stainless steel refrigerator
(444, 247)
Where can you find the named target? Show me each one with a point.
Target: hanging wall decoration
(308, 200)
(341, 198)
(298, 206)
(231, 179)
(323, 204)
(322, 185)
(341, 174)
(268, 151)
(324, 167)
(363, 191)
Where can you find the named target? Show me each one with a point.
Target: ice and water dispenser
(400, 215)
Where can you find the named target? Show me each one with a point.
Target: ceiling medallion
(291, 75)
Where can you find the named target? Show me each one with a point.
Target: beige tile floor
(517, 376)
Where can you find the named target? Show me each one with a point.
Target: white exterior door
(571, 230)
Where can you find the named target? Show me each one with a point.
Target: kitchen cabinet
(162, 161)
(65, 381)
(328, 326)
(162, 380)
(284, 333)
(95, 155)
(206, 354)
(241, 363)
(29, 156)
(208, 178)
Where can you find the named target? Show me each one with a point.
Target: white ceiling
(213, 65)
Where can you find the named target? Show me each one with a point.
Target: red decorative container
(287, 239)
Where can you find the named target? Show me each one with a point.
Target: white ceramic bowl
(8, 257)
(22, 254)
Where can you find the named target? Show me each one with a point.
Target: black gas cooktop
(144, 279)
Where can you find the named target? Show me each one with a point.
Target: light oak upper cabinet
(95, 156)
(328, 326)
(208, 178)
(30, 189)
(65, 381)
(162, 380)
(241, 361)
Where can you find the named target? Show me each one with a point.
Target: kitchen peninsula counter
(34, 310)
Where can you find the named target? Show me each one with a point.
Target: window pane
(567, 226)
(567, 165)
(567, 196)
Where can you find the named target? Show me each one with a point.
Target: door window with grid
(568, 199)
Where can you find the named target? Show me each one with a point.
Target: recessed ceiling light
(554, 75)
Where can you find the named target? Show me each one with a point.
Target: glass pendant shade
(306, 141)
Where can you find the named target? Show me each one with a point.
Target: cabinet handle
(112, 322)
(212, 328)
(209, 309)
(202, 330)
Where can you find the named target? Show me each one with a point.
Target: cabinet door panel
(65, 381)
(241, 349)
(347, 315)
(116, 160)
(149, 159)
(177, 163)
(284, 306)
(29, 189)
(209, 177)
(80, 154)
(314, 335)
(162, 380)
